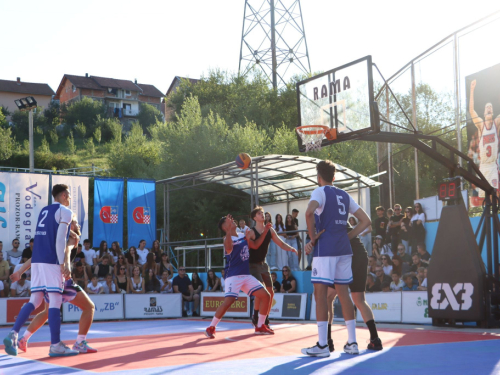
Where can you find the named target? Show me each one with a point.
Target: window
(127, 92)
(111, 105)
(73, 87)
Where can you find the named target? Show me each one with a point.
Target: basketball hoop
(312, 135)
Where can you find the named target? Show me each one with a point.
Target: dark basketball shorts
(359, 271)
(261, 272)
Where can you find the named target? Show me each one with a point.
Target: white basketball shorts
(46, 278)
(246, 283)
(332, 270)
(490, 172)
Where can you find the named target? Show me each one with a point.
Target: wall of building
(7, 100)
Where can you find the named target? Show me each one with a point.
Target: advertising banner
(22, 197)
(147, 306)
(415, 308)
(12, 308)
(108, 211)
(211, 301)
(107, 307)
(337, 310)
(289, 306)
(79, 189)
(483, 121)
(141, 211)
(386, 307)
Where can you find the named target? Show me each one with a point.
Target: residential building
(167, 111)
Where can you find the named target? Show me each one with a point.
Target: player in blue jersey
(50, 266)
(327, 213)
(238, 277)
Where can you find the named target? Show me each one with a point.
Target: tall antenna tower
(273, 39)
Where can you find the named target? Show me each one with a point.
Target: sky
(154, 41)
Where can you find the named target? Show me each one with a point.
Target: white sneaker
(61, 350)
(351, 348)
(317, 351)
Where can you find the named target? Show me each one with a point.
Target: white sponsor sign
(415, 307)
(210, 301)
(3, 311)
(147, 306)
(386, 306)
(337, 310)
(289, 306)
(22, 197)
(107, 307)
(79, 189)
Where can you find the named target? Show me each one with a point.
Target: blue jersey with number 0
(237, 262)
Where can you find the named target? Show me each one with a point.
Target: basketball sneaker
(269, 328)
(210, 332)
(10, 343)
(351, 348)
(317, 351)
(61, 350)
(83, 347)
(263, 330)
(330, 345)
(255, 320)
(23, 344)
(375, 344)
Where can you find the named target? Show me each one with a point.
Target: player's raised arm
(282, 244)
(255, 243)
(475, 118)
(227, 225)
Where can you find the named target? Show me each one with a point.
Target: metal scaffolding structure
(273, 40)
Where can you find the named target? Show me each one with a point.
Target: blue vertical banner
(108, 211)
(141, 211)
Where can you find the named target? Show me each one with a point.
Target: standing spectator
(4, 271)
(136, 282)
(132, 259)
(389, 214)
(142, 252)
(398, 265)
(182, 284)
(14, 256)
(386, 264)
(352, 221)
(79, 275)
(213, 282)
(156, 250)
(151, 281)
(404, 233)
(222, 282)
(395, 226)
(150, 264)
(103, 250)
(417, 227)
(425, 257)
(21, 288)
(271, 255)
(115, 251)
(365, 236)
(396, 284)
(381, 277)
(409, 285)
(281, 255)
(403, 253)
(109, 286)
(291, 239)
(165, 283)
(165, 265)
(371, 285)
(295, 213)
(103, 269)
(242, 227)
(90, 254)
(122, 280)
(28, 251)
(380, 223)
(276, 284)
(94, 287)
(197, 288)
(288, 284)
(120, 262)
(386, 250)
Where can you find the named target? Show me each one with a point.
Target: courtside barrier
(107, 307)
(289, 306)
(386, 306)
(10, 307)
(415, 308)
(210, 301)
(337, 310)
(147, 306)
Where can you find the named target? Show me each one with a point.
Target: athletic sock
(267, 320)
(27, 335)
(373, 329)
(55, 325)
(23, 316)
(329, 331)
(322, 333)
(262, 320)
(351, 330)
(215, 321)
(80, 338)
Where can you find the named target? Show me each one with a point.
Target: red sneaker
(269, 328)
(263, 330)
(210, 332)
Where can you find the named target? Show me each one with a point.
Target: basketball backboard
(341, 99)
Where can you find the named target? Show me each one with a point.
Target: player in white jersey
(50, 265)
(488, 129)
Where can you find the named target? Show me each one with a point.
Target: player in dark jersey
(258, 238)
(237, 277)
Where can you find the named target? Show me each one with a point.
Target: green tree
(7, 143)
(20, 119)
(70, 143)
(44, 147)
(84, 111)
(110, 128)
(97, 135)
(54, 138)
(89, 146)
(148, 115)
(81, 130)
(52, 113)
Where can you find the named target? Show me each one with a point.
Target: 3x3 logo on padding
(450, 295)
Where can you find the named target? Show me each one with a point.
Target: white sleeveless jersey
(488, 146)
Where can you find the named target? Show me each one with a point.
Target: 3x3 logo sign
(450, 299)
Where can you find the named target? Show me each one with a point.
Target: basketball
(243, 160)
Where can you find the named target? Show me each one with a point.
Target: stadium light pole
(27, 104)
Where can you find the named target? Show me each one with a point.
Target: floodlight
(31, 101)
(24, 102)
(19, 104)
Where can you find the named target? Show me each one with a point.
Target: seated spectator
(136, 282)
(396, 284)
(222, 280)
(87, 268)
(242, 227)
(386, 264)
(372, 264)
(381, 277)
(132, 259)
(152, 284)
(78, 253)
(2, 288)
(197, 283)
(405, 257)
(4, 271)
(288, 284)
(142, 252)
(182, 284)
(150, 264)
(94, 287)
(165, 265)
(417, 263)
(79, 274)
(115, 251)
(14, 256)
(122, 279)
(377, 247)
(165, 283)
(371, 286)
(103, 250)
(276, 284)
(386, 250)
(101, 270)
(386, 287)
(109, 285)
(423, 283)
(27, 272)
(120, 262)
(28, 251)
(398, 266)
(213, 282)
(425, 257)
(156, 250)
(90, 254)
(409, 286)
(21, 288)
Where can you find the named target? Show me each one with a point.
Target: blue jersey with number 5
(335, 205)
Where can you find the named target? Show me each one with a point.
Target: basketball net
(312, 136)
